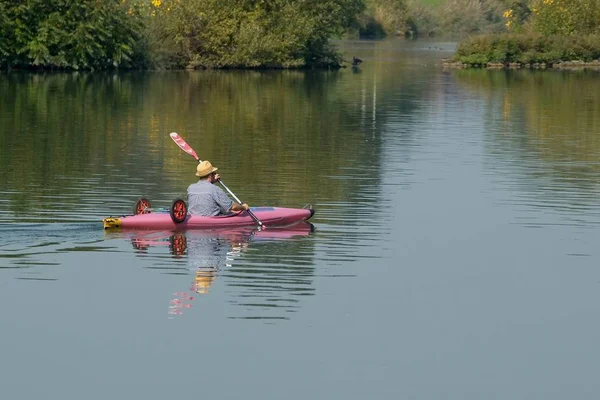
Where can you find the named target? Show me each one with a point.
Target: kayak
(269, 216)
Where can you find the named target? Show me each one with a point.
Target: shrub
(250, 34)
(527, 49)
(566, 17)
(68, 34)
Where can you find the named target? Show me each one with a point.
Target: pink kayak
(269, 216)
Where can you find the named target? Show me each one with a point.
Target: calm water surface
(454, 252)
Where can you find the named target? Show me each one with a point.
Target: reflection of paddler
(207, 255)
(203, 280)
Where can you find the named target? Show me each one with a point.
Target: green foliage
(462, 17)
(384, 17)
(95, 34)
(517, 15)
(249, 34)
(454, 18)
(4, 27)
(551, 31)
(69, 34)
(566, 17)
(527, 49)
(422, 19)
(429, 2)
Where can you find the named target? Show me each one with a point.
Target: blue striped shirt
(207, 199)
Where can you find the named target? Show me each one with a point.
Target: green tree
(67, 33)
(249, 33)
(566, 17)
(384, 17)
(517, 14)
(462, 17)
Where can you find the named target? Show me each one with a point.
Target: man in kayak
(207, 199)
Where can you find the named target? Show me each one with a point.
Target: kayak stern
(111, 222)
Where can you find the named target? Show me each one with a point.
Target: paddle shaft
(186, 147)
(254, 217)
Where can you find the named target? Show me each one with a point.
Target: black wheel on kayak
(178, 211)
(142, 206)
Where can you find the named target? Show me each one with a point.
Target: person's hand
(240, 207)
(217, 177)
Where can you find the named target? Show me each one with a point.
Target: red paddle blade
(183, 145)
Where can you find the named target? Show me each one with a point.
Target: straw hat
(205, 168)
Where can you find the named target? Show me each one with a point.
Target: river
(454, 253)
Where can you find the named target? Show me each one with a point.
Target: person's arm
(239, 207)
(226, 204)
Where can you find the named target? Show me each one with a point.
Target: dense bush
(384, 17)
(462, 17)
(458, 18)
(544, 31)
(97, 34)
(247, 33)
(421, 19)
(173, 33)
(566, 17)
(455, 18)
(527, 49)
(69, 34)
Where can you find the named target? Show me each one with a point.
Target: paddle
(186, 147)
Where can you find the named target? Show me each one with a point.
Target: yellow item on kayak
(111, 222)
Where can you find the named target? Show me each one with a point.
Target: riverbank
(565, 65)
(512, 51)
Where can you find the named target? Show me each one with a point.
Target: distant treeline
(165, 34)
(156, 34)
(426, 18)
(458, 18)
(99, 34)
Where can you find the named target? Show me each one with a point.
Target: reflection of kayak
(269, 216)
(177, 241)
(160, 237)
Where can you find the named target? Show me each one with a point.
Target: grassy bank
(527, 50)
(541, 34)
